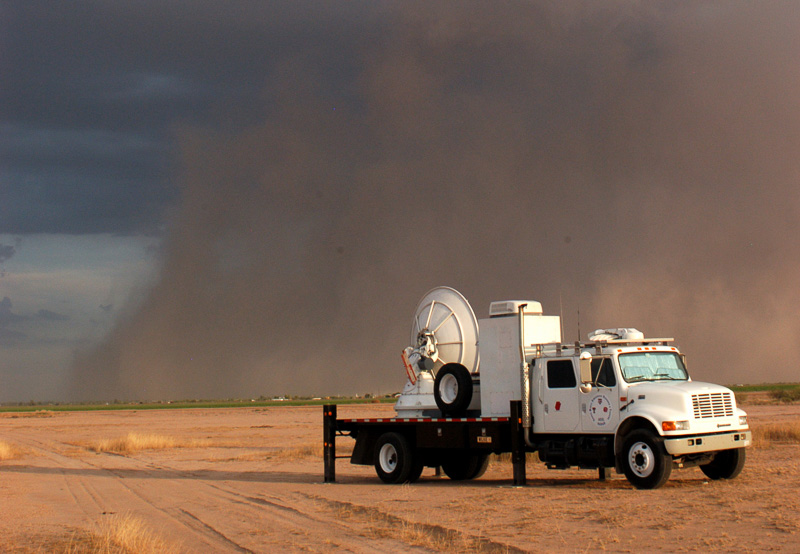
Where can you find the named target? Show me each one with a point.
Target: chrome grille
(714, 404)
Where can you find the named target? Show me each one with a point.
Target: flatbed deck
(427, 434)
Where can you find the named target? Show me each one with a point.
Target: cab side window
(603, 372)
(561, 374)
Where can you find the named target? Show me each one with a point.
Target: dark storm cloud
(8, 319)
(6, 252)
(462, 144)
(93, 91)
(6, 315)
(49, 315)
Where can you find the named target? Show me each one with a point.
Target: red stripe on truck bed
(425, 420)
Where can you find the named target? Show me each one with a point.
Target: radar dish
(445, 313)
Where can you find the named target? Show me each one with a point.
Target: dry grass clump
(282, 454)
(380, 525)
(8, 451)
(786, 433)
(413, 535)
(298, 452)
(37, 413)
(134, 442)
(119, 534)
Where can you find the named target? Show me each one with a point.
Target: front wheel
(647, 465)
(395, 460)
(726, 464)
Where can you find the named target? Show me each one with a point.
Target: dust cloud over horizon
(627, 165)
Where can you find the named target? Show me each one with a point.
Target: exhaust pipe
(525, 380)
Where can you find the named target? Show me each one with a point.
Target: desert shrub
(118, 534)
(786, 395)
(8, 451)
(765, 435)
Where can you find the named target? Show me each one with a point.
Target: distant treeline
(766, 387)
(169, 404)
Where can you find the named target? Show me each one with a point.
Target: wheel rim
(388, 458)
(448, 389)
(641, 459)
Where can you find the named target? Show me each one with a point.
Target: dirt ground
(254, 484)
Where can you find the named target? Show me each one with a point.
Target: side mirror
(586, 372)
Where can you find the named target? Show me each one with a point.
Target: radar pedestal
(443, 362)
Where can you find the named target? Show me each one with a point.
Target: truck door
(561, 396)
(600, 407)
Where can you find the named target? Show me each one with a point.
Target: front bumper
(678, 446)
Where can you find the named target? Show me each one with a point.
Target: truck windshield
(652, 366)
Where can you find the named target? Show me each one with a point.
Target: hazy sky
(205, 199)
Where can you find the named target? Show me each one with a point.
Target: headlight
(675, 425)
(742, 420)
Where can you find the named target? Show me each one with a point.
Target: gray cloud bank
(92, 91)
(6, 252)
(9, 319)
(631, 164)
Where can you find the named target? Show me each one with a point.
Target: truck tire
(452, 390)
(395, 460)
(463, 468)
(726, 464)
(645, 461)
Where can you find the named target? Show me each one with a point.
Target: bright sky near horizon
(67, 291)
(204, 199)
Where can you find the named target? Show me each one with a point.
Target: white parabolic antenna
(446, 314)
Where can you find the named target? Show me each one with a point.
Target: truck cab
(641, 400)
(635, 408)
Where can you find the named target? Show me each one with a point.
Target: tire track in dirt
(93, 502)
(291, 512)
(288, 515)
(446, 538)
(215, 532)
(209, 499)
(210, 535)
(84, 495)
(173, 480)
(171, 476)
(217, 514)
(285, 514)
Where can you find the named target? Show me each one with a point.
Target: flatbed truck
(619, 401)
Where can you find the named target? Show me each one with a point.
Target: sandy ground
(256, 486)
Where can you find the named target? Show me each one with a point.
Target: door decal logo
(600, 410)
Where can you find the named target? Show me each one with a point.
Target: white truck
(509, 384)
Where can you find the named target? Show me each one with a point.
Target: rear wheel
(452, 390)
(645, 461)
(395, 460)
(469, 466)
(726, 464)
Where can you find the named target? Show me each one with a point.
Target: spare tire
(452, 390)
